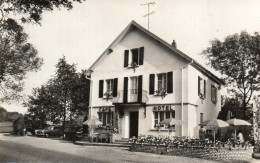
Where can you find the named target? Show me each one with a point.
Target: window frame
(201, 118)
(158, 118)
(105, 87)
(105, 121)
(213, 87)
(133, 86)
(202, 87)
(163, 81)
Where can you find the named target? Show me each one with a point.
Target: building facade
(140, 80)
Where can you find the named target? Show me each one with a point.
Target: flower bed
(221, 151)
(211, 153)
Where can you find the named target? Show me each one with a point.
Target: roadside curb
(101, 144)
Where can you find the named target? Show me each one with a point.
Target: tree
(30, 11)
(17, 58)
(17, 55)
(237, 58)
(72, 88)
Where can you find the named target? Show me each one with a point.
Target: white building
(141, 80)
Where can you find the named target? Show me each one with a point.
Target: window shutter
(115, 87)
(169, 82)
(140, 88)
(151, 84)
(125, 89)
(141, 56)
(101, 84)
(204, 88)
(126, 58)
(198, 85)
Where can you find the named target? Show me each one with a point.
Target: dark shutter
(126, 58)
(151, 84)
(115, 87)
(141, 56)
(101, 83)
(198, 85)
(125, 89)
(204, 88)
(169, 82)
(140, 88)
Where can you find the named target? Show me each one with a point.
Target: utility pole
(149, 13)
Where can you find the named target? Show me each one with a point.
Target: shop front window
(106, 118)
(159, 116)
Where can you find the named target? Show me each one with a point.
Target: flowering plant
(108, 95)
(161, 92)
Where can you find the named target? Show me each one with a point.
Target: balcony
(131, 96)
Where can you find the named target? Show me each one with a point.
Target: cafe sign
(105, 109)
(164, 108)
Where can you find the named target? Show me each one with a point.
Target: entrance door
(133, 124)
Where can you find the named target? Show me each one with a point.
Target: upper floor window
(161, 83)
(201, 88)
(213, 94)
(110, 85)
(107, 88)
(134, 57)
(133, 85)
(162, 79)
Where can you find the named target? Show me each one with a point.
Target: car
(72, 133)
(55, 131)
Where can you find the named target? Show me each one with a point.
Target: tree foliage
(238, 59)
(17, 55)
(32, 10)
(63, 98)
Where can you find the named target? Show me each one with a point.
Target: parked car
(54, 131)
(72, 133)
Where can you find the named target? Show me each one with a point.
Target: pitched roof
(133, 24)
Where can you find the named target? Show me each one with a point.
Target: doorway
(133, 130)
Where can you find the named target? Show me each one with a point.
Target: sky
(83, 33)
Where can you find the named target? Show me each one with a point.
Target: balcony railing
(131, 96)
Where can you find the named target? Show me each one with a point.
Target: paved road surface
(33, 149)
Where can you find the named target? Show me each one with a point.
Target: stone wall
(210, 153)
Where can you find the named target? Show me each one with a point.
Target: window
(110, 85)
(201, 88)
(213, 94)
(162, 80)
(161, 84)
(135, 58)
(133, 85)
(107, 118)
(201, 118)
(108, 88)
(159, 116)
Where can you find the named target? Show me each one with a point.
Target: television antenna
(148, 13)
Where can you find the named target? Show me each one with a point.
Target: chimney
(174, 44)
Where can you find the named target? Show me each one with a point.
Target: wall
(157, 59)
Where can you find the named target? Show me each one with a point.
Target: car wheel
(46, 135)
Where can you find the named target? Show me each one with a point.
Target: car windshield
(48, 128)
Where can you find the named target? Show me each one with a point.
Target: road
(34, 149)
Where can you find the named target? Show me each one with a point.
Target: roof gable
(132, 25)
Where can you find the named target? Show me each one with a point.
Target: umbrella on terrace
(215, 123)
(238, 122)
(171, 122)
(92, 123)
